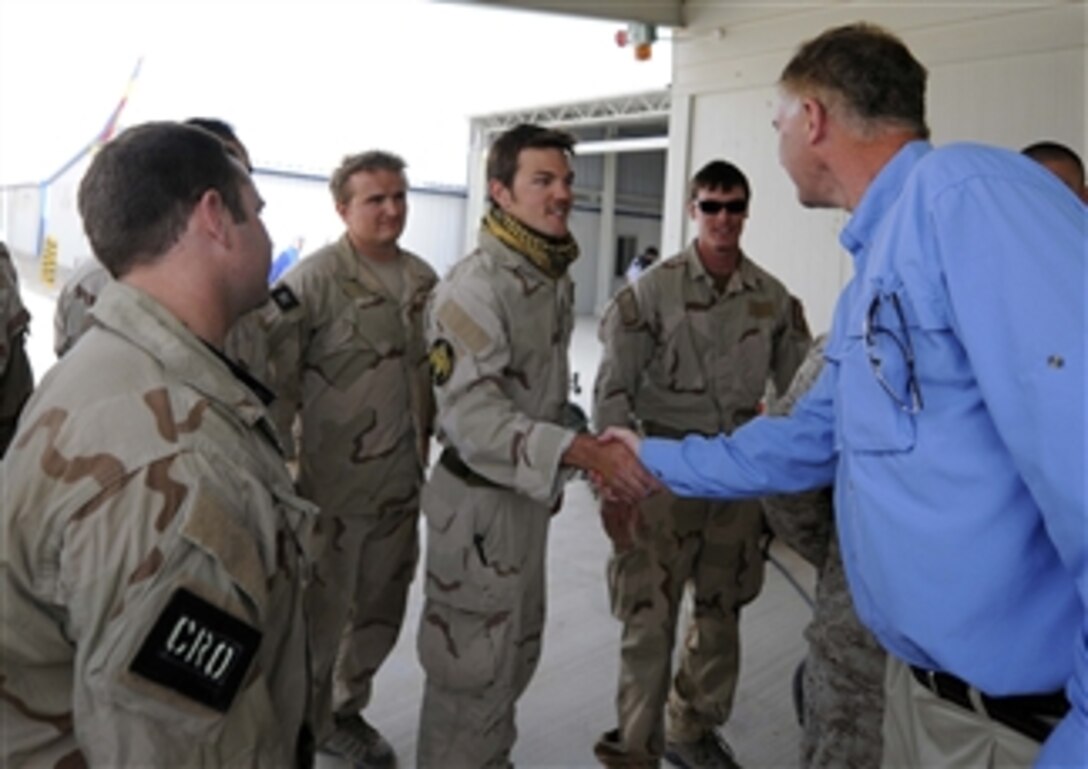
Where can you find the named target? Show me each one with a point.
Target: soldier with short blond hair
(348, 361)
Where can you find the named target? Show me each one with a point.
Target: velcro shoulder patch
(628, 307)
(198, 650)
(760, 309)
(461, 325)
(284, 297)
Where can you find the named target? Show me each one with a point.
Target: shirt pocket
(874, 401)
(341, 355)
(753, 361)
(479, 543)
(679, 367)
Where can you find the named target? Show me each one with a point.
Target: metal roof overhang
(666, 13)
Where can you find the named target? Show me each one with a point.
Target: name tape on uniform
(198, 650)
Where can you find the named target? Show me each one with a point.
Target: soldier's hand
(627, 437)
(620, 521)
(620, 474)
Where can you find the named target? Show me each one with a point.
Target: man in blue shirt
(950, 415)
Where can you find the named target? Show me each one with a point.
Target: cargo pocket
(631, 584)
(462, 650)
(683, 369)
(477, 544)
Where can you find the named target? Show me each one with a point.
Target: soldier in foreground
(76, 298)
(689, 347)
(153, 555)
(349, 360)
(499, 327)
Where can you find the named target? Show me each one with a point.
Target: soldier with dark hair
(689, 347)
(499, 328)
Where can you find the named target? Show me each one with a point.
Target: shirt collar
(744, 275)
(513, 260)
(882, 192)
(358, 267)
(135, 316)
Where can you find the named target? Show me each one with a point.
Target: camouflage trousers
(482, 626)
(714, 548)
(843, 681)
(357, 600)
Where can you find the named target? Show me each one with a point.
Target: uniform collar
(357, 267)
(512, 260)
(136, 317)
(744, 277)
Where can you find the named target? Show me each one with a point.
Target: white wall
(1001, 72)
(19, 226)
(299, 207)
(585, 225)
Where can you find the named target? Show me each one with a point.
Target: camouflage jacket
(680, 357)
(16, 377)
(500, 331)
(350, 360)
(152, 562)
(78, 295)
(805, 521)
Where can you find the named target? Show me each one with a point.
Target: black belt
(453, 462)
(1033, 715)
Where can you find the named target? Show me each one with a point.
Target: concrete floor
(571, 699)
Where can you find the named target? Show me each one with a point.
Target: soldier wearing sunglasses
(689, 348)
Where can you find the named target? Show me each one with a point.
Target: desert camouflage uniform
(680, 357)
(72, 316)
(844, 671)
(16, 378)
(500, 332)
(152, 561)
(245, 344)
(350, 359)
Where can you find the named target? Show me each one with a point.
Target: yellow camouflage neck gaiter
(552, 255)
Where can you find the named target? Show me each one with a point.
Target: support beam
(606, 240)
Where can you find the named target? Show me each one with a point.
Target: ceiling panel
(667, 13)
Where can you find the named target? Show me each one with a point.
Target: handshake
(611, 461)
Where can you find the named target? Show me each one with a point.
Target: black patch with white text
(198, 650)
(284, 298)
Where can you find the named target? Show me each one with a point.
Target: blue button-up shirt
(951, 417)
